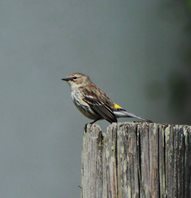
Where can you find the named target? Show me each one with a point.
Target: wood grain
(136, 160)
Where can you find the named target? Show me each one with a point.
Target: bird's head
(77, 80)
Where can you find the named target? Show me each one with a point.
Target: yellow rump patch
(116, 106)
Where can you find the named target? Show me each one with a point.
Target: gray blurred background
(137, 51)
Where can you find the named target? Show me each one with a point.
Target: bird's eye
(74, 77)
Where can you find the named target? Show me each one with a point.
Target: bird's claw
(86, 127)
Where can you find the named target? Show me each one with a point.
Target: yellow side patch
(116, 106)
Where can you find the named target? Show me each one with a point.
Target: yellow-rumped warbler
(93, 102)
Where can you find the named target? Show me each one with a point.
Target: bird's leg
(95, 121)
(91, 123)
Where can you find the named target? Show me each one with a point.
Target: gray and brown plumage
(93, 102)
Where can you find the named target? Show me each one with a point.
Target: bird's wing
(100, 103)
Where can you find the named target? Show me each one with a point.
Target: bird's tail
(120, 113)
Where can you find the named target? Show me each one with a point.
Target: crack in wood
(136, 160)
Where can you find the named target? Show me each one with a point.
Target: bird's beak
(67, 79)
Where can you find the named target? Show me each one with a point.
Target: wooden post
(136, 160)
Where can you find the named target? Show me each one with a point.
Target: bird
(93, 102)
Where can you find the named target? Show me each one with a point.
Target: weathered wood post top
(135, 160)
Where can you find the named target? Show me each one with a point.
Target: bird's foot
(86, 127)
(91, 123)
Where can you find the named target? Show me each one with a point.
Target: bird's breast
(83, 107)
